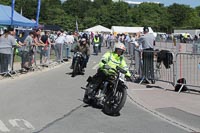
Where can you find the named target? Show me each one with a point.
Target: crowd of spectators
(33, 45)
(38, 47)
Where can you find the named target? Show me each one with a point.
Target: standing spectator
(147, 42)
(132, 43)
(23, 50)
(7, 41)
(46, 51)
(100, 42)
(181, 38)
(195, 38)
(108, 41)
(105, 36)
(59, 42)
(52, 37)
(91, 37)
(198, 38)
(112, 41)
(69, 43)
(75, 37)
(127, 41)
(29, 44)
(40, 45)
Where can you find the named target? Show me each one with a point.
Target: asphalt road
(50, 101)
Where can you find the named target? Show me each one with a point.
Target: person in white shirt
(70, 41)
(59, 42)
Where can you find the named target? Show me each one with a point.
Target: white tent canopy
(98, 28)
(122, 29)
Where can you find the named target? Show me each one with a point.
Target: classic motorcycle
(77, 67)
(96, 48)
(110, 95)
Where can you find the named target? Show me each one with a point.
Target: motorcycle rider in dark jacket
(84, 48)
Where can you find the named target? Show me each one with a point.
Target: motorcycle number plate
(122, 77)
(96, 44)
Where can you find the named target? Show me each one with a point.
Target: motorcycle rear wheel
(114, 104)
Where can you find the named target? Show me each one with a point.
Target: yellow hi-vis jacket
(96, 40)
(17, 51)
(113, 60)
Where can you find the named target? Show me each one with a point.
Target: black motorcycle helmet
(145, 29)
(84, 35)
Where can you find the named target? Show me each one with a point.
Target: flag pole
(12, 11)
(76, 25)
(38, 12)
(21, 11)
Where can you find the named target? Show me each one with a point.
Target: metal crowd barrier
(196, 48)
(190, 47)
(188, 67)
(164, 66)
(169, 67)
(170, 45)
(155, 66)
(6, 64)
(46, 59)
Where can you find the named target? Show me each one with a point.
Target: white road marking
(3, 127)
(14, 123)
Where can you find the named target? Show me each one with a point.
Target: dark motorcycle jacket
(83, 48)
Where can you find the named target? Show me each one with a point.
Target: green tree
(179, 14)
(76, 7)
(109, 13)
(5, 2)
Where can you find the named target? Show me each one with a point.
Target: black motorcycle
(77, 66)
(96, 49)
(110, 95)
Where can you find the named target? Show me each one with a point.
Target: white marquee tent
(98, 28)
(122, 29)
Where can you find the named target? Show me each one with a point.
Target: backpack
(178, 86)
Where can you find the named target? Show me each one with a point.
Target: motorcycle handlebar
(118, 69)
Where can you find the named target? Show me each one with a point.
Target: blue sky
(191, 3)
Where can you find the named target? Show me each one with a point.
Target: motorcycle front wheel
(88, 94)
(113, 104)
(75, 69)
